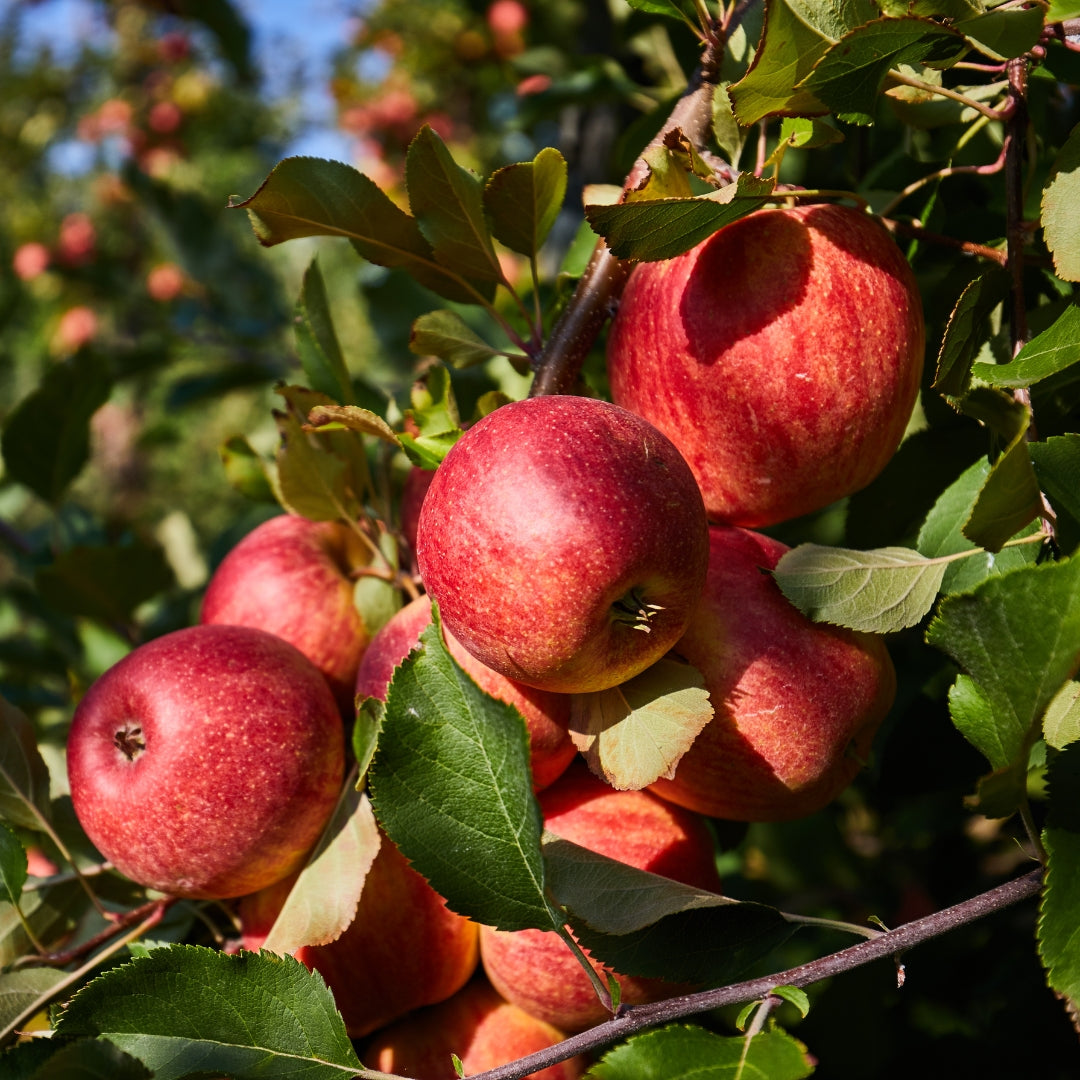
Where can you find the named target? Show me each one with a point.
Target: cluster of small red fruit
(570, 543)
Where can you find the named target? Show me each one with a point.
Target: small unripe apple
(293, 577)
(565, 542)
(404, 949)
(207, 762)
(797, 703)
(547, 715)
(534, 968)
(782, 356)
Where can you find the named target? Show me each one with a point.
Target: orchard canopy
(251, 276)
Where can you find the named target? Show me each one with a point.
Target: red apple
(404, 949)
(294, 578)
(534, 968)
(412, 499)
(477, 1025)
(207, 762)
(565, 542)
(782, 356)
(547, 715)
(796, 702)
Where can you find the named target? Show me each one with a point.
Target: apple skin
(782, 356)
(291, 577)
(797, 703)
(548, 530)
(404, 949)
(417, 481)
(236, 761)
(547, 715)
(479, 1026)
(534, 969)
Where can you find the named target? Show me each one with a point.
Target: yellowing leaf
(633, 734)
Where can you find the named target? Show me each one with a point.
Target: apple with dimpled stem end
(565, 542)
(534, 968)
(293, 577)
(207, 762)
(797, 703)
(782, 356)
(547, 715)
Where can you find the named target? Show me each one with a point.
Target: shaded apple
(534, 968)
(207, 762)
(404, 949)
(565, 542)
(295, 578)
(477, 1025)
(546, 714)
(796, 703)
(782, 356)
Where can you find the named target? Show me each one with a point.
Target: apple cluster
(570, 543)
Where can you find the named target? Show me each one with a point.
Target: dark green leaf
(445, 334)
(185, 1009)
(968, 329)
(1057, 466)
(80, 1059)
(46, 439)
(664, 228)
(23, 993)
(451, 786)
(1009, 500)
(24, 776)
(1054, 350)
(1006, 32)
(51, 912)
(1018, 638)
(12, 865)
(524, 199)
(316, 340)
(689, 1053)
(684, 10)
(312, 481)
(245, 470)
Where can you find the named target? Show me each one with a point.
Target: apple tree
(507, 187)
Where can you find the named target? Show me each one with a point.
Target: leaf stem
(598, 984)
(952, 95)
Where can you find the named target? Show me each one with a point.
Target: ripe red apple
(534, 968)
(404, 949)
(207, 762)
(412, 499)
(797, 703)
(476, 1024)
(293, 578)
(565, 542)
(547, 715)
(782, 356)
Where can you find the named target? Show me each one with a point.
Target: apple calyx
(130, 741)
(632, 608)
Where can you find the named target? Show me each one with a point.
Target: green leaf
(634, 733)
(451, 786)
(1005, 32)
(942, 534)
(663, 228)
(448, 203)
(13, 865)
(379, 599)
(323, 418)
(1061, 722)
(1058, 930)
(306, 196)
(682, 1052)
(671, 165)
(1051, 352)
(806, 133)
(23, 993)
(968, 329)
(523, 200)
(793, 995)
(878, 591)
(186, 1009)
(684, 10)
(849, 77)
(81, 1059)
(434, 414)
(24, 776)
(46, 438)
(317, 342)
(1060, 10)
(245, 470)
(730, 135)
(1018, 638)
(644, 924)
(322, 903)
(105, 583)
(1010, 499)
(365, 734)
(445, 334)
(1057, 466)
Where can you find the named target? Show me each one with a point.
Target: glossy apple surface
(546, 714)
(565, 542)
(479, 1026)
(404, 949)
(293, 578)
(534, 968)
(207, 762)
(797, 702)
(782, 356)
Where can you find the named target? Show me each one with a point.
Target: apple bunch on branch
(445, 744)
